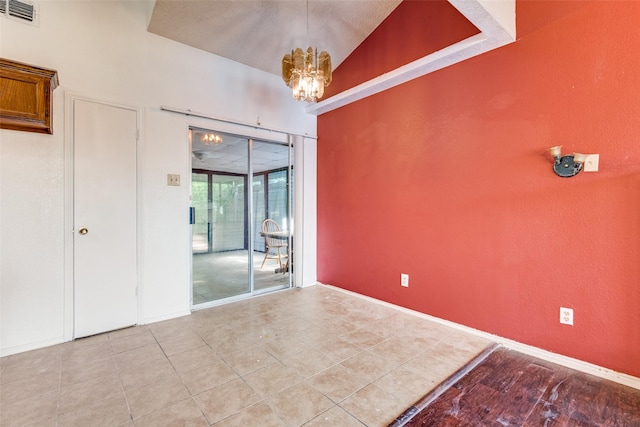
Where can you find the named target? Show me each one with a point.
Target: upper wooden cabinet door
(26, 97)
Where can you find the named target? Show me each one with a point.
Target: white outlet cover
(566, 316)
(591, 163)
(404, 280)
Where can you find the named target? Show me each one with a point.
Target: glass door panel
(259, 212)
(279, 197)
(220, 266)
(231, 257)
(200, 231)
(228, 218)
(272, 266)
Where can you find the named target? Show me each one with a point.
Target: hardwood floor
(512, 389)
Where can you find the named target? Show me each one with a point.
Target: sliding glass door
(200, 224)
(231, 255)
(272, 204)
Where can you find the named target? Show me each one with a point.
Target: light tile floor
(314, 357)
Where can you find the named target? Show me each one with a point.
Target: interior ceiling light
(210, 138)
(307, 73)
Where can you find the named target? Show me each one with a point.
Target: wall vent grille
(20, 10)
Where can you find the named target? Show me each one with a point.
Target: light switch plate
(173, 180)
(591, 163)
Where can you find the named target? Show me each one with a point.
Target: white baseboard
(62, 339)
(166, 316)
(309, 284)
(30, 346)
(569, 362)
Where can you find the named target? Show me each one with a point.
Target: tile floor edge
(566, 361)
(417, 407)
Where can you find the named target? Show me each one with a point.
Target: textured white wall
(101, 50)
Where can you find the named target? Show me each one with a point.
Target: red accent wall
(409, 33)
(447, 178)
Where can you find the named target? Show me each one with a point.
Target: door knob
(83, 231)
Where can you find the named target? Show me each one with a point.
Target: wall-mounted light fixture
(566, 166)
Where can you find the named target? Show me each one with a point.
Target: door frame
(69, 201)
(251, 137)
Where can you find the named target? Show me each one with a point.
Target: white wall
(101, 50)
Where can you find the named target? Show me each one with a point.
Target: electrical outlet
(404, 280)
(566, 316)
(173, 180)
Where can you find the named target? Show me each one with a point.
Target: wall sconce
(566, 166)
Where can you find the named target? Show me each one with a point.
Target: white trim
(496, 20)
(140, 138)
(255, 127)
(559, 359)
(68, 217)
(31, 346)
(298, 210)
(310, 284)
(307, 218)
(236, 298)
(166, 316)
(189, 174)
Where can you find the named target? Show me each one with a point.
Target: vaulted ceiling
(259, 32)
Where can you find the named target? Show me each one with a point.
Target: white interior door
(105, 243)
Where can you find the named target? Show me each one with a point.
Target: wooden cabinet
(26, 97)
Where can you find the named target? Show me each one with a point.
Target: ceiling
(230, 28)
(231, 154)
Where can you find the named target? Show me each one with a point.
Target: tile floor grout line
(353, 415)
(124, 392)
(59, 389)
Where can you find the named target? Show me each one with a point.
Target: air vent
(19, 10)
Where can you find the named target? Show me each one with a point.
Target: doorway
(104, 147)
(238, 182)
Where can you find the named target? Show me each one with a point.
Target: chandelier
(210, 138)
(307, 73)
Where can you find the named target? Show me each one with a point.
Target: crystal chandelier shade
(307, 73)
